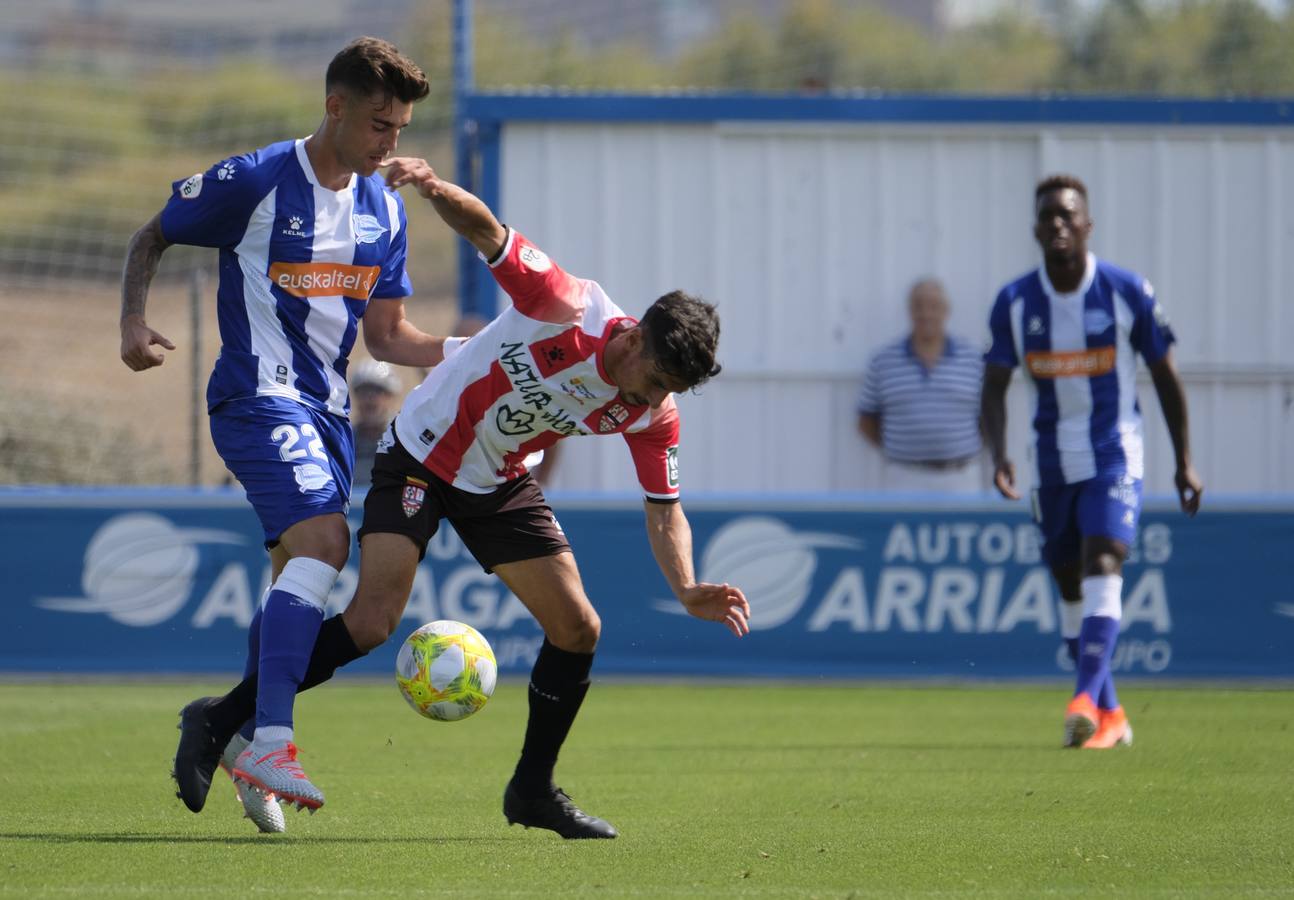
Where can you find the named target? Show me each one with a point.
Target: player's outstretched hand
(136, 340)
(719, 603)
(1189, 489)
(1004, 479)
(402, 170)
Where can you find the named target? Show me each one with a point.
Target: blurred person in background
(919, 403)
(1076, 324)
(312, 247)
(375, 389)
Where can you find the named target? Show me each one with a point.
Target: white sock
(1103, 596)
(272, 734)
(309, 579)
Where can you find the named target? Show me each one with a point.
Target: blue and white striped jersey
(298, 265)
(1079, 351)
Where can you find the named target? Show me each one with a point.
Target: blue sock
(1071, 647)
(1096, 647)
(288, 631)
(253, 662)
(1108, 699)
(289, 625)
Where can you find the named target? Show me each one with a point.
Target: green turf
(773, 791)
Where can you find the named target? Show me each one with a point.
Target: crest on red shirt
(415, 494)
(613, 417)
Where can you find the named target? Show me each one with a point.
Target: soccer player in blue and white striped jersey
(312, 247)
(1076, 324)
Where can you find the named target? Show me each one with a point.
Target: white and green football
(446, 670)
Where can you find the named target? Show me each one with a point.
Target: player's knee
(1103, 564)
(335, 550)
(580, 633)
(370, 625)
(368, 633)
(327, 540)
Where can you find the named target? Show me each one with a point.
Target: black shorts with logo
(509, 524)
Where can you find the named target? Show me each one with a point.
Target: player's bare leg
(550, 587)
(387, 565)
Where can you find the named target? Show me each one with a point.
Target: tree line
(1208, 48)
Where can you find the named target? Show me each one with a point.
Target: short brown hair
(369, 65)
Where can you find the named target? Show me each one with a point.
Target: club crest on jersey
(367, 228)
(535, 259)
(192, 187)
(226, 171)
(415, 494)
(612, 418)
(1097, 321)
(1035, 325)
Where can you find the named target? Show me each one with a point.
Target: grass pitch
(718, 790)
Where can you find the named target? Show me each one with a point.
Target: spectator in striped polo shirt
(919, 403)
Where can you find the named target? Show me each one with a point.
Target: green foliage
(1194, 47)
(247, 99)
(115, 143)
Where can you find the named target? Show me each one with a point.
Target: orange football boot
(1081, 720)
(1113, 731)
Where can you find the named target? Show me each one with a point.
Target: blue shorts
(294, 462)
(1105, 506)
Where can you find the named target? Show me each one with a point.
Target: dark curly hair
(1059, 183)
(369, 65)
(681, 333)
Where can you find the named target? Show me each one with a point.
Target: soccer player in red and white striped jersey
(563, 360)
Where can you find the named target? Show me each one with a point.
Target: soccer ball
(446, 670)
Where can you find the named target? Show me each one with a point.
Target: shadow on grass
(93, 838)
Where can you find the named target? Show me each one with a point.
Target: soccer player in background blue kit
(1076, 324)
(312, 244)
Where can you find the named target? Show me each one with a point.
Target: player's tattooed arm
(670, 536)
(143, 255)
(1172, 400)
(460, 209)
(993, 423)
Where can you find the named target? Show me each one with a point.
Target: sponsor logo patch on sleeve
(192, 187)
(535, 259)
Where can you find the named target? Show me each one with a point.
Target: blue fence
(167, 582)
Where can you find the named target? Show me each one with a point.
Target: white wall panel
(808, 236)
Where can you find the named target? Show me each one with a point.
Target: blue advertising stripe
(150, 584)
(872, 107)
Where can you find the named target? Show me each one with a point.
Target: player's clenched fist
(137, 339)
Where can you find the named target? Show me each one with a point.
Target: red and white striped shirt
(530, 378)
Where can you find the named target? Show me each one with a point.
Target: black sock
(333, 649)
(558, 683)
